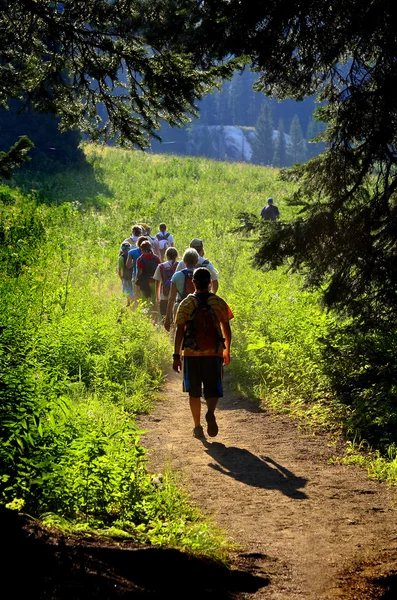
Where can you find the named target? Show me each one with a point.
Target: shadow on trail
(261, 472)
(41, 564)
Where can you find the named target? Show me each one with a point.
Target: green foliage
(14, 157)
(105, 67)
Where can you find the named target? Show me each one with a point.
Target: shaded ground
(310, 528)
(37, 564)
(307, 528)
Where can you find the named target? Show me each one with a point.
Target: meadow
(76, 366)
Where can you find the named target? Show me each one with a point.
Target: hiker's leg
(192, 385)
(212, 403)
(212, 376)
(212, 380)
(195, 407)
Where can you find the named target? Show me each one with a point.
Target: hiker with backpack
(153, 240)
(181, 284)
(146, 266)
(125, 273)
(162, 277)
(136, 231)
(198, 245)
(164, 238)
(204, 336)
(133, 255)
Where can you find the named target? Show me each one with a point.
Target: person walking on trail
(204, 336)
(198, 245)
(163, 276)
(165, 239)
(153, 240)
(270, 212)
(146, 265)
(135, 233)
(181, 284)
(132, 257)
(125, 273)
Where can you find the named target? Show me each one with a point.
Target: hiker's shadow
(262, 472)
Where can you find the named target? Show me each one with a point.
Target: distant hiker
(132, 257)
(204, 336)
(270, 212)
(146, 266)
(153, 240)
(164, 238)
(135, 233)
(162, 277)
(198, 245)
(125, 273)
(181, 284)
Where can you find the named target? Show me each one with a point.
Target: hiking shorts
(128, 287)
(203, 372)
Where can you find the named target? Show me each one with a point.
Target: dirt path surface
(309, 528)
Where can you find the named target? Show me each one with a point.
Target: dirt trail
(311, 529)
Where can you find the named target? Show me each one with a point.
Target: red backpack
(202, 331)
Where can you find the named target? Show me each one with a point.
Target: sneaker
(212, 426)
(198, 432)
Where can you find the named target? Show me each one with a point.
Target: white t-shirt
(164, 243)
(208, 265)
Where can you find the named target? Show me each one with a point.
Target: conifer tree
(297, 145)
(280, 152)
(262, 144)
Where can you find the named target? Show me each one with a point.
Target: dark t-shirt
(270, 213)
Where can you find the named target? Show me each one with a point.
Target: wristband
(176, 356)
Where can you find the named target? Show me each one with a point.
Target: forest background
(235, 123)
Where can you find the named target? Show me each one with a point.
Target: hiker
(162, 277)
(132, 257)
(198, 245)
(270, 212)
(164, 238)
(136, 231)
(204, 336)
(181, 284)
(153, 240)
(125, 273)
(146, 265)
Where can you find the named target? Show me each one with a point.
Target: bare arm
(214, 286)
(180, 332)
(170, 306)
(227, 334)
(158, 287)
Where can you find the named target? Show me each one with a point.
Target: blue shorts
(203, 372)
(127, 287)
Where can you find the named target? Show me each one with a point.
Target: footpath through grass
(76, 367)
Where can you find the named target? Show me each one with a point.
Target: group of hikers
(184, 295)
